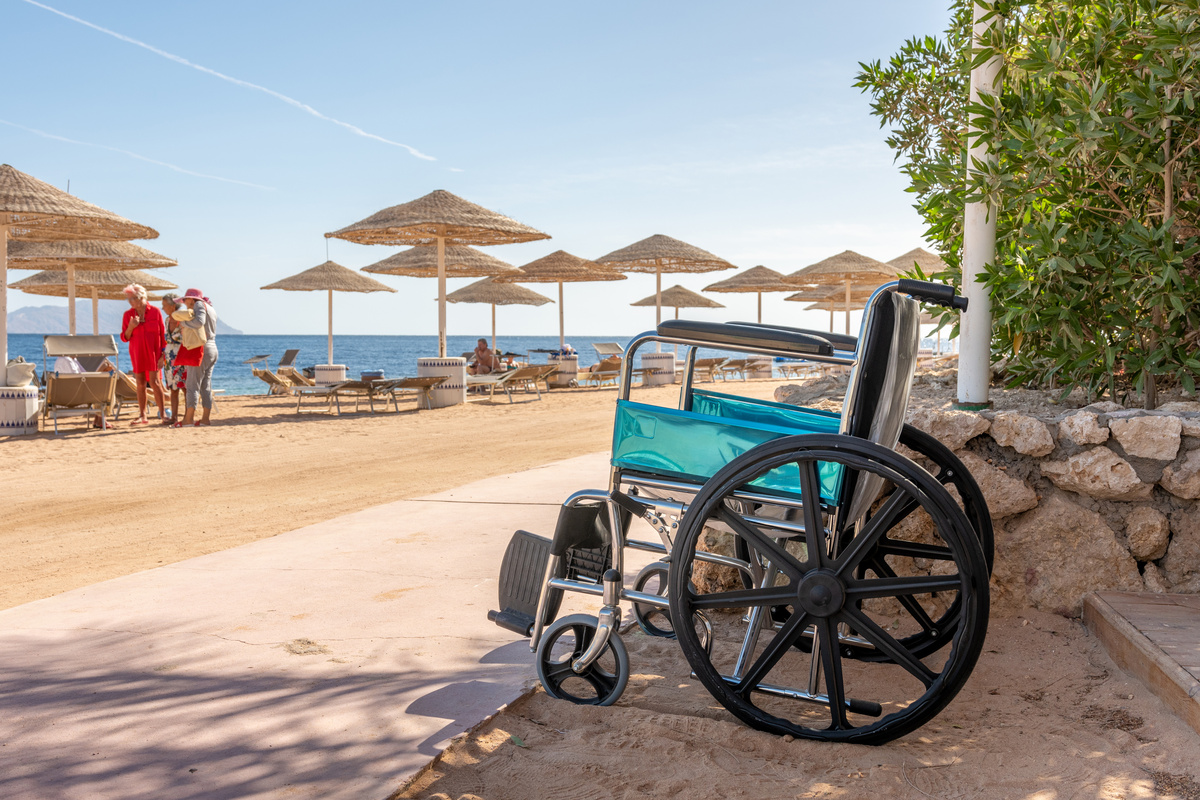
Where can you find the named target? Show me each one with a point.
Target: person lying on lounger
(485, 360)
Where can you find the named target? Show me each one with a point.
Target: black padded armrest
(840, 341)
(750, 338)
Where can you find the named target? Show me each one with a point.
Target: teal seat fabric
(694, 445)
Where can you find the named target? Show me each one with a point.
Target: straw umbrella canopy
(439, 218)
(561, 267)
(677, 297)
(490, 291)
(34, 211)
(756, 279)
(108, 285)
(422, 262)
(831, 299)
(848, 270)
(927, 261)
(330, 277)
(75, 257)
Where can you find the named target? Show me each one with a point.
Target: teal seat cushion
(694, 445)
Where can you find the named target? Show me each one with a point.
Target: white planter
(18, 410)
(451, 392)
(328, 374)
(568, 369)
(663, 365)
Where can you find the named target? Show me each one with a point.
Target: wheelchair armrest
(720, 333)
(840, 341)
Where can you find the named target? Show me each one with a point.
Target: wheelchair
(820, 582)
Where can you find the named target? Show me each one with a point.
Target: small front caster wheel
(599, 684)
(653, 620)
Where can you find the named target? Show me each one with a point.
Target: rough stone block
(1147, 531)
(1083, 428)
(1005, 496)
(1154, 580)
(1181, 565)
(1098, 473)
(952, 428)
(1024, 434)
(1183, 479)
(1155, 437)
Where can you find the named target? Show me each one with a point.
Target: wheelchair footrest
(520, 586)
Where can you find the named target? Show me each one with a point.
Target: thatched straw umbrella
(660, 254)
(76, 257)
(678, 297)
(756, 279)
(848, 270)
(927, 261)
(330, 277)
(422, 262)
(439, 218)
(497, 294)
(107, 285)
(832, 298)
(561, 267)
(33, 211)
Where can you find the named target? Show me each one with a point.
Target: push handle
(939, 294)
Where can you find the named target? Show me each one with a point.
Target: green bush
(1096, 281)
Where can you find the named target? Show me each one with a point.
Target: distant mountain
(53, 319)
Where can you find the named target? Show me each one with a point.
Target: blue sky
(732, 127)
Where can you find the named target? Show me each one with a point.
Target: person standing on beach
(176, 374)
(142, 327)
(199, 322)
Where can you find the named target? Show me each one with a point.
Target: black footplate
(521, 576)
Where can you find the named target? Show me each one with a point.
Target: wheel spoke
(814, 528)
(899, 547)
(831, 662)
(780, 644)
(910, 605)
(901, 586)
(877, 636)
(603, 684)
(775, 551)
(878, 525)
(562, 670)
(746, 598)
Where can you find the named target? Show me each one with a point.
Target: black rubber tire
(828, 592)
(654, 621)
(601, 684)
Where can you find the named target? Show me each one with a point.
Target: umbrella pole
(4, 299)
(71, 297)
(562, 326)
(493, 327)
(331, 327)
(847, 308)
(658, 300)
(96, 310)
(831, 317)
(441, 255)
(759, 308)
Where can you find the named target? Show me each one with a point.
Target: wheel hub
(821, 594)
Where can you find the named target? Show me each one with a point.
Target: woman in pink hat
(199, 353)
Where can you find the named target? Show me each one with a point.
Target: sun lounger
(275, 384)
(708, 367)
(85, 394)
(327, 392)
(522, 377)
(295, 376)
(420, 387)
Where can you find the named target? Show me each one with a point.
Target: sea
(395, 355)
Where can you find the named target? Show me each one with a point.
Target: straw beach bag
(19, 372)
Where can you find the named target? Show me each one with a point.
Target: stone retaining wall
(1101, 497)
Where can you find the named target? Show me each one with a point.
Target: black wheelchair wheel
(653, 620)
(753, 667)
(601, 683)
(930, 633)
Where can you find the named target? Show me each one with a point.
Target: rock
(1147, 531)
(1190, 426)
(1181, 565)
(1104, 407)
(1082, 428)
(806, 393)
(952, 428)
(708, 577)
(1154, 580)
(1183, 479)
(1181, 407)
(1148, 437)
(1057, 553)
(1024, 434)
(1005, 496)
(1098, 473)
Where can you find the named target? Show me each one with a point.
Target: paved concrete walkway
(332, 661)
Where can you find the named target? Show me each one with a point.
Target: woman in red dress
(142, 327)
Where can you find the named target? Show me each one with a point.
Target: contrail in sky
(135, 155)
(180, 60)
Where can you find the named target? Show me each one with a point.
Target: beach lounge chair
(295, 376)
(329, 393)
(79, 394)
(600, 373)
(520, 378)
(708, 367)
(275, 384)
(733, 367)
(288, 360)
(419, 387)
(607, 350)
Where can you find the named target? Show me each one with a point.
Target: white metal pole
(493, 328)
(441, 253)
(331, 327)
(979, 244)
(657, 301)
(562, 329)
(71, 297)
(96, 310)
(3, 302)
